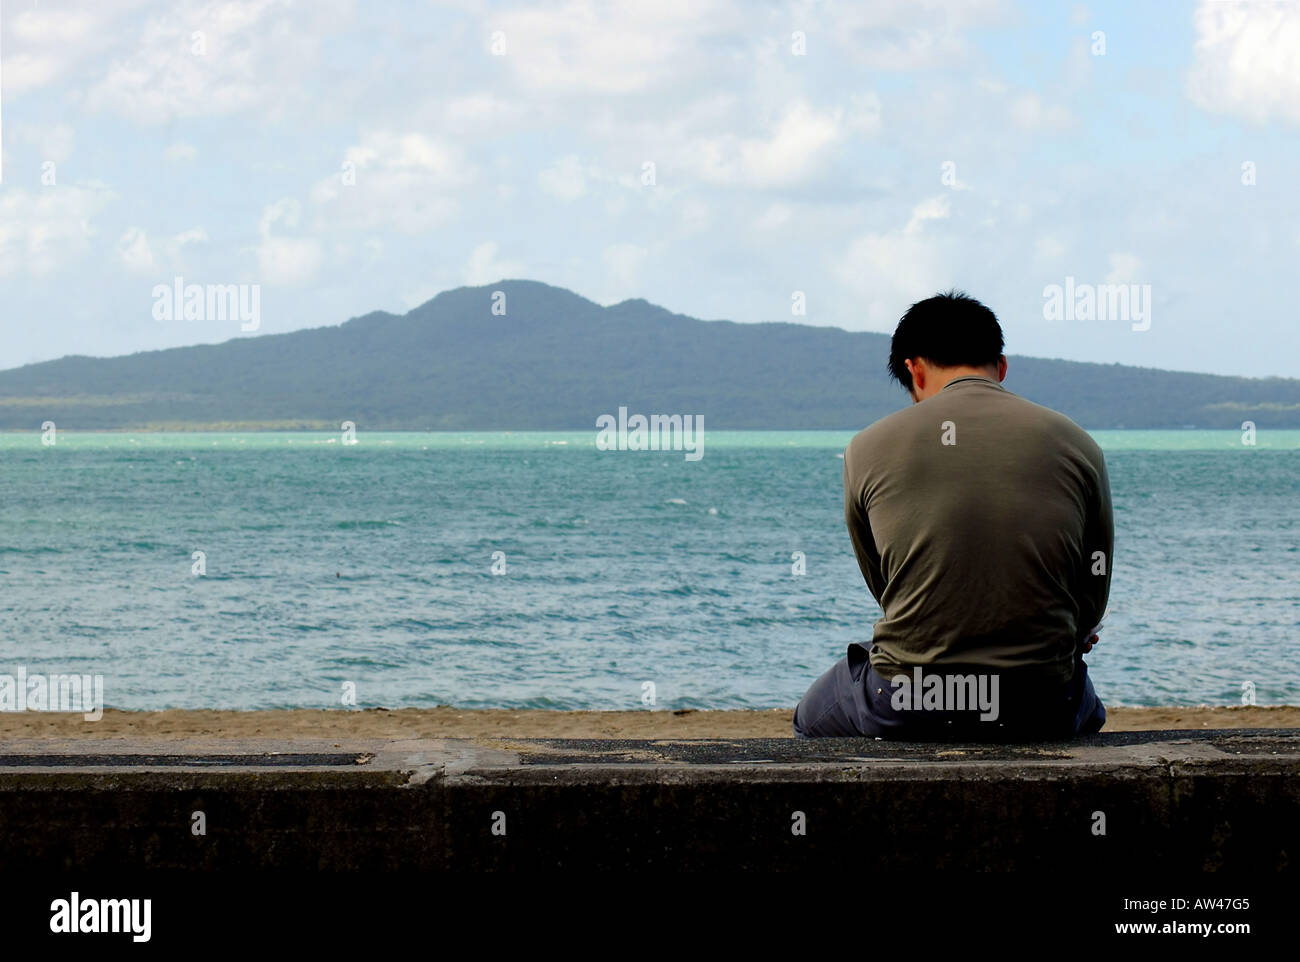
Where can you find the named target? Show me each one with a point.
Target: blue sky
(144, 141)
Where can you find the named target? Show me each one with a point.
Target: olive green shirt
(982, 524)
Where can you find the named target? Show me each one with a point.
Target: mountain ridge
(556, 360)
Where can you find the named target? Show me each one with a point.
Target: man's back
(982, 524)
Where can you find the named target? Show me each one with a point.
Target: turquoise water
(371, 563)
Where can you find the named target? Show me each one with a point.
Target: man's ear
(916, 368)
(1002, 367)
(917, 371)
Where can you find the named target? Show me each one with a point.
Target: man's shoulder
(903, 425)
(1061, 426)
(882, 432)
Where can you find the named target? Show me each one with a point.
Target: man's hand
(1092, 640)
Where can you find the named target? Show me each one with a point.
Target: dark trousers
(853, 699)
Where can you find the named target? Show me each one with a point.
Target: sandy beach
(445, 722)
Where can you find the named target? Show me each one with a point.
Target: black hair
(951, 329)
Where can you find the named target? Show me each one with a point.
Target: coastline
(448, 722)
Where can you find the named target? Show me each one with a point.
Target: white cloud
(403, 181)
(892, 269)
(213, 57)
(1124, 269)
(902, 34)
(195, 235)
(1049, 248)
(565, 179)
(25, 71)
(138, 255)
(1247, 60)
(44, 44)
(624, 262)
(863, 115)
(175, 246)
(484, 266)
(694, 216)
(134, 252)
(588, 47)
(480, 113)
(285, 260)
(421, 295)
(933, 208)
(180, 152)
(44, 231)
(787, 155)
(1030, 113)
(52, 141)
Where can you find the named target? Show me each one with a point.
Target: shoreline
(447, 722)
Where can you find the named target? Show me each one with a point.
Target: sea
(534, 570)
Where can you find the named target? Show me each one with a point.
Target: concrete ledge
(1172, 802)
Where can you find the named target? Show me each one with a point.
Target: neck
(949, 374)
(941, 377)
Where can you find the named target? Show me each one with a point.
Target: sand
(446, 722)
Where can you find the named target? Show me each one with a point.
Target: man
(982, 525)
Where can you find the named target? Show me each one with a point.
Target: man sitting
(982, 525)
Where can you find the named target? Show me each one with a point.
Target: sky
(823, 162)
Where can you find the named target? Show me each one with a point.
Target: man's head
(944, 337)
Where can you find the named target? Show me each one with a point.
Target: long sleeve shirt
(983, 526)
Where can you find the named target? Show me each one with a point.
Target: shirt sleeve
(859, 525)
